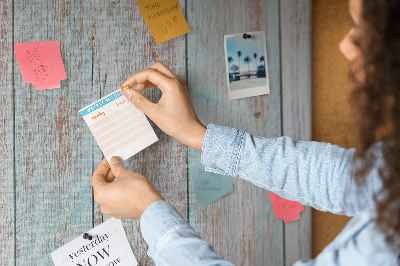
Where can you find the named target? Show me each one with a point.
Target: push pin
(87, 236)
(246, 36)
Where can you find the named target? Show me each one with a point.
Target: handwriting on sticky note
(108, 246)
(284, 209)
(41, 64)
(118, 126)
(164, 18)
(209, 186)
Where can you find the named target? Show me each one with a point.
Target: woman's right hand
(173, 113)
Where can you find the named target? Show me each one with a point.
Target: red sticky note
(284, 209)
(41, 64)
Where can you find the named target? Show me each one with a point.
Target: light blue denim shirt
(312, 173)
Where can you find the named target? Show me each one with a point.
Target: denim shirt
(312, 173)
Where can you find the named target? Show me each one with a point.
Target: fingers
(160, 80)
(110, 177)
(140, 102)
(118, 168)
(143, 86)
(160, 67)
(100, 174)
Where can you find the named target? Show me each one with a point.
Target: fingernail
(127, 93)
(115, 160)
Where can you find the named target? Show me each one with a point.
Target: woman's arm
(315, 174)
(172, 241)
(312, 173)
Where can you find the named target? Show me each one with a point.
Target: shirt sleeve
(172, 241)
(312, 173)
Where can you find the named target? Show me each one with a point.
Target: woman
(362, 181)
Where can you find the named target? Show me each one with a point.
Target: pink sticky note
(41, 64)
(284, 209)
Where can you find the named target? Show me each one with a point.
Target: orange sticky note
(164, 18)
(41, 64)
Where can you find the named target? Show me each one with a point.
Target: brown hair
(375, 102)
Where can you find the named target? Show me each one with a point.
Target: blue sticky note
(209, 186)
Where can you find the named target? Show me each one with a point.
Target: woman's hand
(174, 113)
(127, 197)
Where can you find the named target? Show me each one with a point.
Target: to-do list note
(164, 18)
(118, 126)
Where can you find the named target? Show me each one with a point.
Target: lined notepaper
(118, 126)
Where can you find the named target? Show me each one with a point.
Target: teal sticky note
(209, 186)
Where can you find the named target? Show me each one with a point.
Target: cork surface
(331, 89)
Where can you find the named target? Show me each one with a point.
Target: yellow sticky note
(164, 18)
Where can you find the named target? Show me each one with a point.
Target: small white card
(108, 247)
(118, 126)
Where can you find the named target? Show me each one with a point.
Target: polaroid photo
(246, 64)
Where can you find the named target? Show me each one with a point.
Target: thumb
(138, 100)
(117, 168)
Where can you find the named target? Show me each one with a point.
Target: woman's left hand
(127, 197)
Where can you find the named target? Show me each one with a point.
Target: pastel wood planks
(7, 191)
(241, 226)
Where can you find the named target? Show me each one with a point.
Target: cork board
(331, 89)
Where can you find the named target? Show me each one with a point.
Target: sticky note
(164, 18)
(41, 64)
(284, 209)
(109, 246)
(209, 186)
(118, 126)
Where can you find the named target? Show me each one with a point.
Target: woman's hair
(375, 103)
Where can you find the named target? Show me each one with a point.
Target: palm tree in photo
(230, 60)
(262, 59)
(239, 55)
(247, 60)
(255, 59)
(261, 68)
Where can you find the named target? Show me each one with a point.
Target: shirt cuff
(221, 150)
(157, 220)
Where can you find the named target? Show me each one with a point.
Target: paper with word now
(118, 126)
(164, 18)
(284, 209)
(41, 64)
(209, 186)
(108, 247)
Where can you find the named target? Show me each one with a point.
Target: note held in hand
(118, 126)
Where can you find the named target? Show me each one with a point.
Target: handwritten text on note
(209, 186)
(41, 64)
(164, 18)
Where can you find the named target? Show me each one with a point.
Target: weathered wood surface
(103, 43)
(241, 226)
(53, 146)
(295, 18)
(7, 207)
(131, 49)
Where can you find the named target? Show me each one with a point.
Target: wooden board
(48, 199)
(132, 49)
(241, 226)
(295, 19)
(53, 146)
(7, 193)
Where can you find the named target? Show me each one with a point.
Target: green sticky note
(209, 186)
